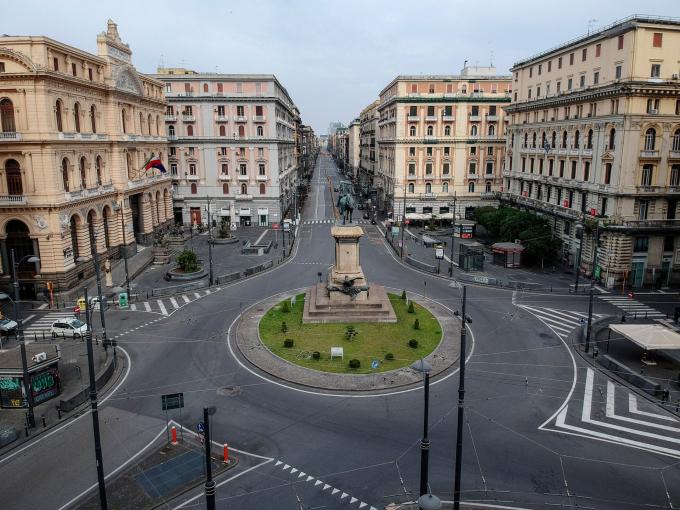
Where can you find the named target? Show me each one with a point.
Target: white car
(72, 327)
(7, 326)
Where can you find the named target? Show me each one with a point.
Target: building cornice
(443, 99)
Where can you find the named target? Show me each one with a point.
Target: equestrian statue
(345, 201)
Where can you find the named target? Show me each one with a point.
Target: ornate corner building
(594, 140)
(76, 130)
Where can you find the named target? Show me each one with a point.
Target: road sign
(582, 321)
(275, 226)
(123, 300)
(395, 231)
(172, 401)
(200, 427)
(337, 352)
(439, 253)
(375, 363)
(76, 309)
(407, 222)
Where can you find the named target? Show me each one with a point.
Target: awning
(418, 216)
(444, 216)
(649, 336)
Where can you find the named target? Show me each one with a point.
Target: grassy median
(389, 344)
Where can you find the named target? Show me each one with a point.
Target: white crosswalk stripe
(605, 411)
(329, 221)
(633, 307)
(168, 305)
(43, 323)
(561, 322)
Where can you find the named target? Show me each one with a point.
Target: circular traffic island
(352, 356)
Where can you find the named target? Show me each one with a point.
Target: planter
(161, 256)
(226, 240)
(176, 274)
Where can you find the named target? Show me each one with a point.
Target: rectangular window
(641, 244)
(429, 152)
(558, 85)
(411, 151)
(540, 166)
(449, 88)
(647, 175)
(571, 59)
(414, 88)
(562, 168)
(586, 171)
(620, 42)
(489, 168)
(531, 165)
(573, 169)
(260, 152)
(596, 77)
(173, 151)
(598, 50)
(240, 111)
(617, 72)
(656, 71)
(413, 111)
(243, 169)
(2, 67)
(445, 168)
(524, 164)
(643, 209)
(608, 173)
(192, 169)
(55, 63)
(258, 111)
(551, 166)
(529, 93)
(475, 110)
(89, 74)
(428, 168)
(549, 65)
(489, 151)
(412, 169)
(74, 69)
(473, 168)
(584, 54)
(538, 91)
(569, 83)
(223, 151)
(447, 151)
(559, 63)
(669, 243)
(261, 169)
(473, 151)
(431, 88)
(430, 111)
(675, 175)
(173, 169)
(540, 67)
(225, 169)
(657, 39)
(582, 80)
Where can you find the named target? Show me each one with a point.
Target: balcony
(472, 176)
(411, 176)
(172, 138)
(430, 138)
(191, 177)
(492, 118)
(10, 136)
(170, 118)
(262, 177)
(70, 136)
(13, 199)
(429, 195)
(588, 152)
(674, 154)
(448, 118)
(259, 118)
(431, 118)
(413, 118)
(243, 177)
(129, 138)
(651, 224)
(474, 118)
(221, 118)
(650, 189)
(223, 177)
(188, 118)
(649, 154)
(241, 118)
(243, 197)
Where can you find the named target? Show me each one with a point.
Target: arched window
(13, 174)
(473, 130)
(445, 187)
(98, 170)
(589, 141)
(241, 131)
(411, 187)
(83, 173)
(430, 130)
(428, 187)
(447, 130)
(194, 188)
(225, 188)
(244, 189)
(564, 140)
(223, 131)
(171, 130)
(492, 130)
(7, 116)
(553, 139)
(64, 173)
(650, 139)
(612, 139)
(577, 139)
(487, 186)
(471, 187)
(533, 140)
(526, 140)
(412, 131)
(190, 130)
(141, 123)
(76, 117)
(205, 88)
(260, 131)
(57, 114)
(123, 120)
(148, 125)
(93, 118)
(263, 189)
(158, 124)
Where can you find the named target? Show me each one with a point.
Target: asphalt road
(539, 431)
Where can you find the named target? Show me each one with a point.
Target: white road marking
(162, 307)
(610, 413)
(197, 295)
(133, 307)
(173, 302)
(147, 306)
(186, 299)
(633, 408)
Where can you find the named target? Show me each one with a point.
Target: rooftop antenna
(465, 64)
(591, 22)
(491, 59)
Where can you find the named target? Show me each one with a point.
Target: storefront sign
(45, 385)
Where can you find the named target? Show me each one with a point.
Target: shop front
(43, 371)
(244, 216)
(263, 217)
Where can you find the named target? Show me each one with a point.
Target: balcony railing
(411, 176)
(243, 197)
(587, 152)
(472, 176)
(170, 118)
(649, 154)
(241, 118)
(448, 118)
(674, 154)
(191, 177)
(474, 118)
(12, 199)
(492, 118)
(172, 138)
(413, 118)
(188, 118)
(9, 135)
(220, 118)
(259, 118)
(243, 177)
(262, 177)
(431, 118)
(223, 177)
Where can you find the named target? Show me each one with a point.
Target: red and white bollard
(226, 452)
(173, 432)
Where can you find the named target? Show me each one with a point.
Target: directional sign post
(173, 401)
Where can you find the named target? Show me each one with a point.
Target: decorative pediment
(128, 80)
(608, 155)
(18, 57)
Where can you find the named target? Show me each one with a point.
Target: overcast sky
(334, 57)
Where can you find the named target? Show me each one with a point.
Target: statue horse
(346, 207)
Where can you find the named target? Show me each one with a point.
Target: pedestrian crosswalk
(329, 221)
(561, 322)
(167, 305)
(605, 411)
(633, 307)
(42, 325)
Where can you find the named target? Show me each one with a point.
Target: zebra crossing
(168, 305)
(561, 322)
(605, 411)
(329, 221)
(34, 329)
(633, 307)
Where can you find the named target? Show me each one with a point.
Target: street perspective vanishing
(360, 255)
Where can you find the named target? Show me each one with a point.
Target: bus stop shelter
(651, 337)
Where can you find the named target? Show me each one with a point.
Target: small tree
(411, 309)
(389, 356)
(354, 363)
(416, 324)
(413, 343)
(284, 327)
(188, 261)
(285, 307)
(403, 294)
(288, 343)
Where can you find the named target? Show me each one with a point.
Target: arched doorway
(18, 239)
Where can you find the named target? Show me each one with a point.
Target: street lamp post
(422, 366)
(596, 242)
(579, 236)
(403, 223)
(119, 208)
(453, 232)
(461, 408)
(20, 333)
(209, 482)
(210, 259)
(97, 272)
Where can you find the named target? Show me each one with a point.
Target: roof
(649, 336)
(514, 247)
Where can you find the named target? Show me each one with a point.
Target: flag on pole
(154, 162)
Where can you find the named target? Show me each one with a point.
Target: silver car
(72, 327)
(7, 326)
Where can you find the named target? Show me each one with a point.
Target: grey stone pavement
(251, 347)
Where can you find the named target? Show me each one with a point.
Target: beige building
(76, 131)
(594, 140)
(368, 152)
(353, 151)
(440, 137)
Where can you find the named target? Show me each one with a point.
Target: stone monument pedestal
(347, 297)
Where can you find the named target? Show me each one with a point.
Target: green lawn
(373, 341)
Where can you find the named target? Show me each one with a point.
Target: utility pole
(93, 406)
(461, 408)
(596, 243)
(95, 255)
(209, 483)
(403, 222)
(210, 259)
(453, 232)
(125, 256)
(579, 236)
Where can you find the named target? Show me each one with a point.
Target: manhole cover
(229, 391)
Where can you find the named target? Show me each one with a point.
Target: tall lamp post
(119, 208)
(97, 272)
(596, 243)
(20, 332)
(403, 222)
(424, 367)
(453, 232)
(579, 236)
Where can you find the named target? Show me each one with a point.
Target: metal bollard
(44, 421)
(26, 431)
(58, 411)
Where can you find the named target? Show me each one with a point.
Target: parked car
(72, 327)
(7, 326)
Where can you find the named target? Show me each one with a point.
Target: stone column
(145, 215)
(83, 240)
(100, 241)
(168, 205)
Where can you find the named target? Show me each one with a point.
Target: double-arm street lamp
(20, 332)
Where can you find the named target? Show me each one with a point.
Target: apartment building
(368, 151)
(353, 147)
(233, 142)
(441, 137)
(594, 144)
(76, 130)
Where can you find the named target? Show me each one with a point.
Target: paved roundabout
(246, 339)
